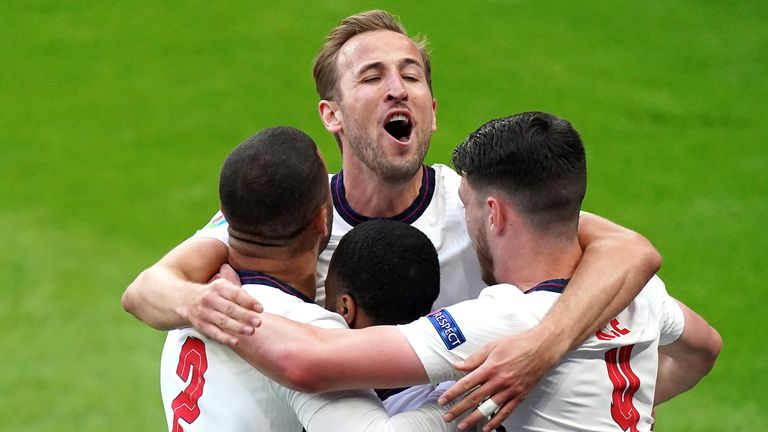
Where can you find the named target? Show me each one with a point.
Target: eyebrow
(408, 61)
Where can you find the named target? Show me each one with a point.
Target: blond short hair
(324, 69)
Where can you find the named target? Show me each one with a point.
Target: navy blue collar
(409, 215)
(259, 278)
(383, 394)
(552, 285)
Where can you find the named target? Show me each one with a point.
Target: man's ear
(320, 221)
(347, 308)
(496, 216)
(434, 115)
(332, 118)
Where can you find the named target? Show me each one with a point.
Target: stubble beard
(366, 148)
(483, 253)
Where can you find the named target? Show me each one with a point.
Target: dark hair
(536, 159)
(271, 185)
(390, 268)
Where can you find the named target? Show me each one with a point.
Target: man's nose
(396, 89)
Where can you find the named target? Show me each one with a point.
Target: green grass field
(116, 117)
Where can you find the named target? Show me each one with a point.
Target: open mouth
(399, 126)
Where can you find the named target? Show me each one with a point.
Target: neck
(372, 196)
(296, 268)
(536, 259)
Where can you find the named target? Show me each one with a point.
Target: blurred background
(116, 117)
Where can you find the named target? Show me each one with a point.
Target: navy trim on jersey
(552, 285)
(259, 278)
(409, 215)
(383, 394)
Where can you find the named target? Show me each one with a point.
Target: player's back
(207, 387)
(608, 382)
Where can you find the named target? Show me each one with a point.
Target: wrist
(185, 304)
(552, 340)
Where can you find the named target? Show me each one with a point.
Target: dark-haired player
(395, 282)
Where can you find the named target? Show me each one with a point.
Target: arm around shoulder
(312, 359)
(177, 291)
(158, 294)
(616, 265)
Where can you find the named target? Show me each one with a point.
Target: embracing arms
(312, 359)
(616, 265)
(177, 291)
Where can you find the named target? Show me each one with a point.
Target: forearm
(162, 294)
(686, 361)
(615, 266)
(311, 359)
(156, 298)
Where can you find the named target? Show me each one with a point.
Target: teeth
(398, 117)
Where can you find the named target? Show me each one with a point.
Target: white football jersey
(605, 384)
(361, 411)
(437, 212)
(205, 386)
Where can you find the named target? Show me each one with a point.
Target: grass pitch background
(116, 117)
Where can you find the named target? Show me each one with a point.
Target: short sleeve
(217, 228)
(458, 331)
(668, 312)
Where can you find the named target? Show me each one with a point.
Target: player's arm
(177, 291)
(358, 411)
(615, 266)
(312, 359)
(686, 361)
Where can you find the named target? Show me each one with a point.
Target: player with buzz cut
(524, 178)
(375, 86)
(395, 282)
(274, 193)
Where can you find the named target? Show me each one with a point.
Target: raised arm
(177, 291)
(615, 266)
(311, 359)
(684, 362)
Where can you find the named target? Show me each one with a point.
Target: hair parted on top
(325, 69)
(272, 185)
(390, 268)
(535, 158)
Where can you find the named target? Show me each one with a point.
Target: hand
(506, 370)
(221, 308)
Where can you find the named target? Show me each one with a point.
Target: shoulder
(280, 303)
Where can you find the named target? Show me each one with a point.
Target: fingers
(469, 405)
(486, 382)
(503, 412)
(228, 273)
(475, 360)
(472, 399)
(472, 380)
(490, 411)
(222, 310)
